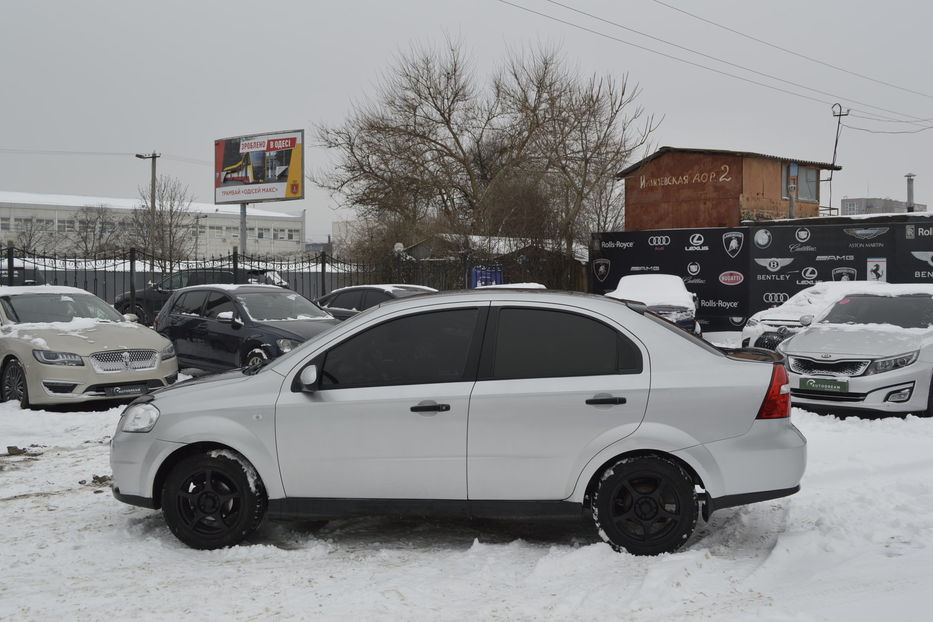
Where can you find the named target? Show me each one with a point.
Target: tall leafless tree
(167, 234)
(97, 229)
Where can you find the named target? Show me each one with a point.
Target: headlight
(751, 322)
(287, 345)
(58, 358)
(168, 353)
(880, 366)
(140, 417)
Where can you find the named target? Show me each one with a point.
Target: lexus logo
(732, 242)
(763, 238)
(774, 264)
(802, 235)
(693, 268)
(775, 298)
(696, 239)
(809, 273)
(659, 240)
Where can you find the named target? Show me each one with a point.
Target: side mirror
(308, 379)
(227, 317)
(806, 320)
(130, 317)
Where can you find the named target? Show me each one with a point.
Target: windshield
(279, 305)
(44, 308)
(912, 311)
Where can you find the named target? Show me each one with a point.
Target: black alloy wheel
(13, 383)
(646, 505)
(213, 500)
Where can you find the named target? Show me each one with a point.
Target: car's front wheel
(13, 383)
(646, 505)
(213, 500)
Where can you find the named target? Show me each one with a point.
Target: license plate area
(126, 390)
(825, 385)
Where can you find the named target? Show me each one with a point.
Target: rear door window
(189, 303)
(348, 300)
(540, 343)
(218, 303)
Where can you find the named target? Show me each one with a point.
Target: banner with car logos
(738, 271)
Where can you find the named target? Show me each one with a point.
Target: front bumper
(134, 462)
(59, 384)
(868, 393)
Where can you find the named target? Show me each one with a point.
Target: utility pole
(152, 207)
(910, 191)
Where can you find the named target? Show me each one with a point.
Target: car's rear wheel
(645, 505)
(213, 500)
(13, 383)
(255, 357)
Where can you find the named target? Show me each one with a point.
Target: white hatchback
(484, 403)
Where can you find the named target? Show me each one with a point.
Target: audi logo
(696, 239)
(774, 298)
(659, 240)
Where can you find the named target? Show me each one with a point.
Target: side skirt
(330, 508)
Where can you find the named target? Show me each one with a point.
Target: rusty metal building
(677, 188)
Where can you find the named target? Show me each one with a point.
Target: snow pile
(654, 290)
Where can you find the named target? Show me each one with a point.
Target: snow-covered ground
(855, 544)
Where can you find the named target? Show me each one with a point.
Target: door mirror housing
(228, 317)
(308, 379)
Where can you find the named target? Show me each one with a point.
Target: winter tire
(213, 500)
(13, 383)
(645, 505)
(255, 357)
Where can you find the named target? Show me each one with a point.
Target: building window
(4, 224)
(808, 183)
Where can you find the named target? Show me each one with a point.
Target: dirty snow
(855, 544)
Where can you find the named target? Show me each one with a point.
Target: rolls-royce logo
(773, 264)
(866, 233)
(732, 242)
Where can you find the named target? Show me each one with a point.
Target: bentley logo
(732, 242)
(866, 233)
(925, 256)
(601, 269)
(774, 264)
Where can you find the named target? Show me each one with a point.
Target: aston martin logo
(866, 233)
(773, 264)
(926, 256)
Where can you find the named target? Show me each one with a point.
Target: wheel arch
(253, 343)
(597, 475)
(182, 453)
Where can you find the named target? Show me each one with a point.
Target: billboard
(261, 167)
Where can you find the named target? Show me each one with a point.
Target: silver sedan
(487, 403)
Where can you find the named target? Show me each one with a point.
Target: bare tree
(167, 234)
(36, 236)
(533, 155)
(96, 230)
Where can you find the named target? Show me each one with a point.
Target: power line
(797, 54)
(725, 62)
(865, 129)
(66, 152)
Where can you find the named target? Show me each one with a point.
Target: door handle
(430, 408)
(595, 401)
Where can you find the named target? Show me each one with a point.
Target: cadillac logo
(693, 268)
(802, 235)
(732, 242)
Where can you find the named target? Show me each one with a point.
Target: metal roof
(741, 154)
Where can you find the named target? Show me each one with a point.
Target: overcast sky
(104, 79)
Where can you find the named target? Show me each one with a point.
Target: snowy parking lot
(856, 543)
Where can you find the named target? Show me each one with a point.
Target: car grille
(827, 396)
(123, 360)
(809, 367)
(771, 340)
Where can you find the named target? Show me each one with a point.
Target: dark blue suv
(219, 327)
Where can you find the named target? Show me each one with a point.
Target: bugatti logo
(773, 264)
(809, 273)
(843, 274)
(802, 235)
(601, 269)
(731, 277)
(775, 298)
(659, 240)
(693, 268)
(732, 242)
(763, 238)
(866, 233)
(696, 239)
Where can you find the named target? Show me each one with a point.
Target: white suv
(480, 403)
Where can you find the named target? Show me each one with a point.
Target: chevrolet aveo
(488, 403)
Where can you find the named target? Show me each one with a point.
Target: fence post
(323, 272)
(133, 280)
(236, 266)
(9, 263)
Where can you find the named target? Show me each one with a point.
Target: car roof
(16, 290)
(236, 288)
(385, 287)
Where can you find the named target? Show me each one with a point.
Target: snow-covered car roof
(514, 286)
(654, 290)
(388, 287)
(16, 290)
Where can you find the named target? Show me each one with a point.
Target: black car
(150, 299)
(21, 276)
(348, 301)
(218, 327)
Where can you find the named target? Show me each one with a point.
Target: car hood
(864, 340)
(302, 329)
(85, 336)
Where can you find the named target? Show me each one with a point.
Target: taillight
(777, 400)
